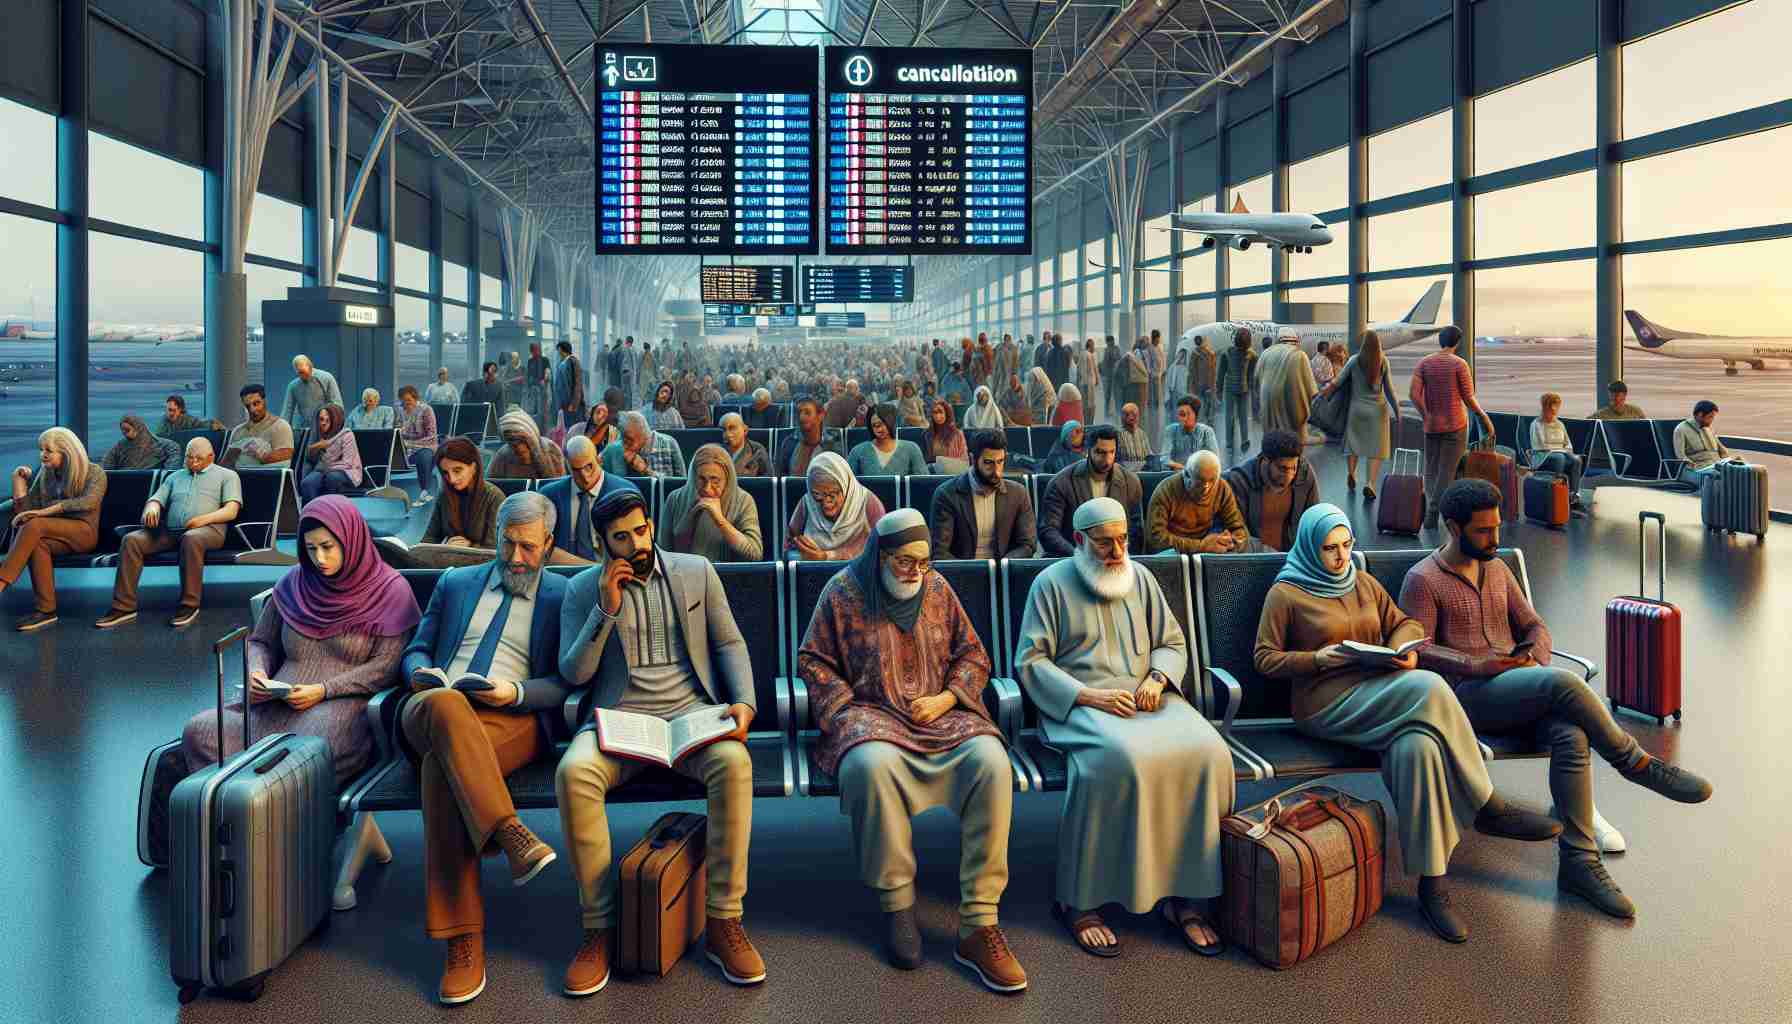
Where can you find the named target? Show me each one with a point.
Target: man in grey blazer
(649, 631)
(981, 514)
(1077, 483)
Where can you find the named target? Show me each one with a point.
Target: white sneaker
(1606, 834)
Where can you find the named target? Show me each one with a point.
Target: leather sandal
(1082, 922)
(1180, 922)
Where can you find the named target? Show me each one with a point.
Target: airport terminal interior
(434, 266)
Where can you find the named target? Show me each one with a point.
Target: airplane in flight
(1290, 232)
(1419, 322)
(1665, 341)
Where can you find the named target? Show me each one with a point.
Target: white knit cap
(1097, 511)
(899, 519)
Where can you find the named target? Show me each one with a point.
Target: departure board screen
(858, 284)
(929, 150)
(755, 285)
(704, 151)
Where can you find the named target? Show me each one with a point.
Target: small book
(1375, 654)
(432, 677)
(280, 690)
(396, 542)
(661, 741)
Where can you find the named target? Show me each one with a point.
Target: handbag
(1330, 412)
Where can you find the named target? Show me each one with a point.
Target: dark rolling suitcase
(1546, 499)
(249, 857)
(1402, 505)
(1735, 499)
(1642, 639)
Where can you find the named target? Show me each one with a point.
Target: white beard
(1109, 583)
(896, 588)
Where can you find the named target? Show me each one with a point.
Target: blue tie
(581, 529)
(488, 644)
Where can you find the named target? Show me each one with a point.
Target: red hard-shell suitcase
(1485, 463)
(1402, 505)
(1546, 499)
(1642, 639)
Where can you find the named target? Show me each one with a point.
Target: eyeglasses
(906, 565)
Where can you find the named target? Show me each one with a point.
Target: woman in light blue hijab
(1430, 758)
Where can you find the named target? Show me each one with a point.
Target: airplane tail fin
(1649, 334)
(1425, 310)
(1238, 204)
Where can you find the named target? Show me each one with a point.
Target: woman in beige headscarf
(710, 515)
(526, 455)
(58, 513)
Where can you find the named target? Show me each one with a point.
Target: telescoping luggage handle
(233, 638)
(1417, 460)
(1642, 554)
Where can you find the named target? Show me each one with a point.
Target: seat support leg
(365, 839)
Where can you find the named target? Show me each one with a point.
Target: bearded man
(1103, 658)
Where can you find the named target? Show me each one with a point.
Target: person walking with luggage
(1430, 758)
(1236, 369)
(1551, 450)
(649, 631)
(1494, 649)
(1443, 389)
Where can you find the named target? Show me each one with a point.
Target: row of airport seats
(382, 457)
(1631, 453)
(1216, 600)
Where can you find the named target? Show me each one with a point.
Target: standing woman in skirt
(1430, 758)
(1368, 433)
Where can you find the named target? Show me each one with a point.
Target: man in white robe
(1286, 381)
(1103, 658)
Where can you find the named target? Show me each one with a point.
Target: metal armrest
(377, 708)
(1586, 664)
(1670, 468)
(258, 603)
(247, 543)
(787, 729)
(1002, 698)
(570, 708)
(1234, 696)
(799, 705)
(1620, 461)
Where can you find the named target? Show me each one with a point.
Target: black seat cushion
(1233, 589)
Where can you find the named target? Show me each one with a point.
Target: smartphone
(468, 684)
(1523, 649)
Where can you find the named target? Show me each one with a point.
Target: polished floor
(86, 935)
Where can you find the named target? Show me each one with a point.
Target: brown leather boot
(527, 854)
(986, 952)
(463, 976)
(730, 949)
(589, 971)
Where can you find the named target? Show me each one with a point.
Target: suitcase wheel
(1676, 717)
(248, 991)
(188, 993)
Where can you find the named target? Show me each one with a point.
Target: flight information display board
(838, 320)
(858, 284)
(758, 285)
(700, 150)
(929, 150)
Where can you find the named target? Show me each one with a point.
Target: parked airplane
(1291, 232)
(1665, 341)
(1419, 322)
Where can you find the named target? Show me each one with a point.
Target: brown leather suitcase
(1301, 871)
(663, 879)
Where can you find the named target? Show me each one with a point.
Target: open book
(433, 677)
(1375, 654)
(280, 690)
(662, 741)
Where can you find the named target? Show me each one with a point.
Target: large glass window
(28, 337)
(136, 187)
(491, 292)
(1196, 313)
(1047, 271)
(1154, 283)
(1154, 317)
(27, 155)
(1251, 267)
(1156, 241)
(1093, 259)
(1321, 183)
(262, 284)
(1249, 307)
(410, 319)
(1721, 63)
(454, 281)
(1536, 119)
(1325, 260)
(1198, 272)
(1735, 183)
(1534, 329)
(361, 257)
(1335, 293)
(147, 332)
(1411, 157)
(413, 267)
(1418, 237)
(1540, 217)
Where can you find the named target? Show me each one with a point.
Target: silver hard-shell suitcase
(249, 857)
(1735, 499)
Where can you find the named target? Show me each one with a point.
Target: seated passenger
(909, 407)
(500, 620)
(175, 417)
(1042, 397)
(463, 522)
(442, 392)
(643, 451)
(1135, 444)
(1552, 451)
(798, 447)
(370, 414)
(1188, 435)
(574, 496)
(139, 448)
(526, 454)
(749, 456)
(983, 413)
(1067, 450)
(1696, 444)
(57, 513)
(664, 415)
(1103, 658)
(616, 640)
(1273, 489)
(1098, 476)
(1014, 403)
(262, 439)
(885, 454)
(710, 515)
(981, 513)
(1430, 758)
(417, 432)
(1494, 650)
(487, 390)
(944, 440)
(1070, 405)
(1619, 408)
(309, 391)
(334, 631)
(762, 414)
(333, 461)
(835, 518)
(904, 729)
(187, 512)
(600, 421)
(1194, 512)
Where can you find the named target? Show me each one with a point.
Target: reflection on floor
(88, 926)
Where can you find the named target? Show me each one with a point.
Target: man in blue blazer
(483, 666)
(574, 496)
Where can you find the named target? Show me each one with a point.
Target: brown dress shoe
(589, 971)
(986, 952)
(463, 976)
(527, 854)
(729, 949)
